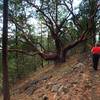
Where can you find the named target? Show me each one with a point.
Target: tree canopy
(66, 25)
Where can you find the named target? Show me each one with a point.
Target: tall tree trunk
(5, 52)
(16, 55)
(48, 45)
(41, 48)
(16, 44)
(92, 21)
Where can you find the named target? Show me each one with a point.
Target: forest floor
(73, 80)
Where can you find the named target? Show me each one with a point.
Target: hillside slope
(73, 80)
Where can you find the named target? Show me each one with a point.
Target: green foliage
(1, 5)
(0, 73)
(87, 9)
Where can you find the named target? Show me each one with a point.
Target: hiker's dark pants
(95, 60)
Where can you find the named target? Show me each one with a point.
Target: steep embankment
(73, 80)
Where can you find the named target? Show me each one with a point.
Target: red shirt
(95, 50)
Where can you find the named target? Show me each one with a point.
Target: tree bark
(6, 93)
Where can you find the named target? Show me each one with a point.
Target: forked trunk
(60, 57)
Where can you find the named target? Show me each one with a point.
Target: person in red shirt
(96, 54)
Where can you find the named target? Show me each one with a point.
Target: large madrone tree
(63, 22)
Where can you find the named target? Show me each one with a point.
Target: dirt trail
(95, 78)
(73, 80)
(96, 85)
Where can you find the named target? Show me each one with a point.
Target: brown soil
(73, 80)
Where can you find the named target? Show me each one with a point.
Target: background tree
(88, 9)
(21, 60)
